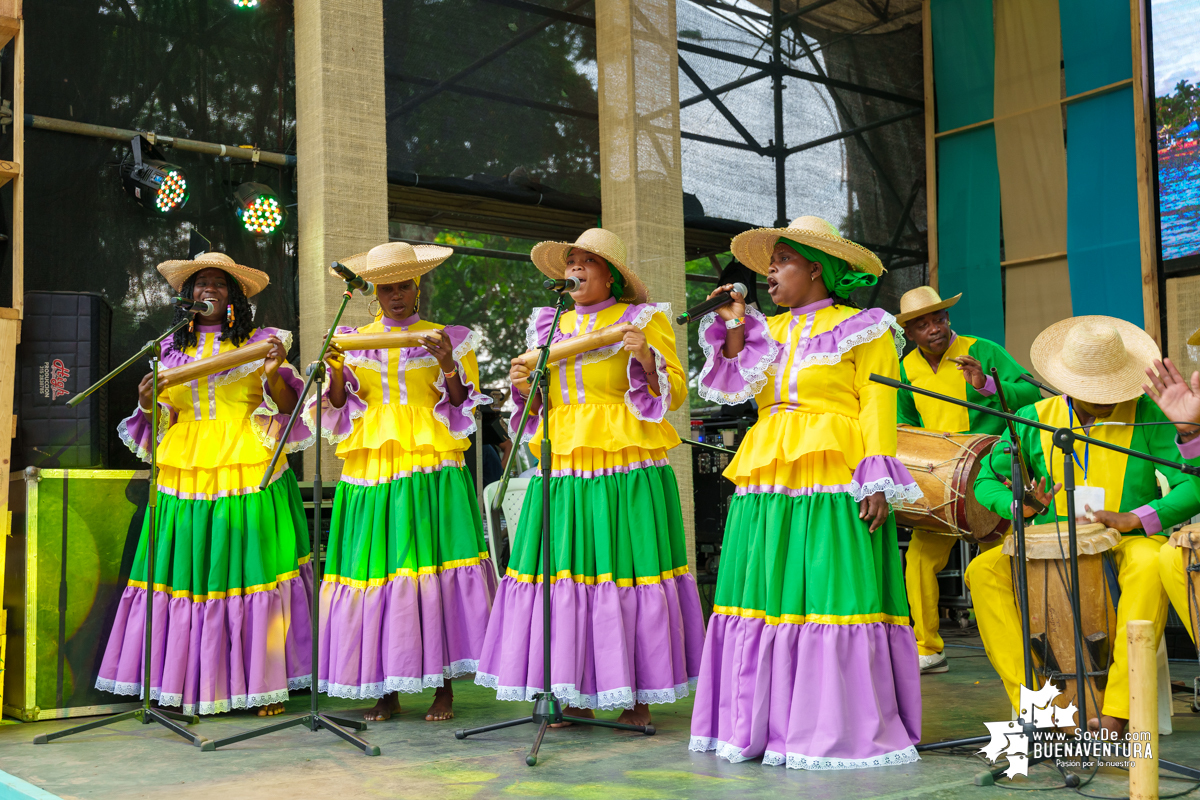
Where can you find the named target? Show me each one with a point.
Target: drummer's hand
(275, 357)
(1123, 522)
(1179, 399)
(1038, 490)
(635, 343)
(972, 370)
(733, 310)
(145, 399)
(519, 375)
(873, 509)
(437, 344)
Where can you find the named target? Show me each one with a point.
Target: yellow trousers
(1174, 579)
(989, 578)
(928, 554)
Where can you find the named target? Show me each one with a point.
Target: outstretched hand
(1179, 399)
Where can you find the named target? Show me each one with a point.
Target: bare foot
(1114, 725)
(583, 713)
(638, 715)
(443, 702)
(388, 704)
(270, 710)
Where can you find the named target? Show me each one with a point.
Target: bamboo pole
(1143, 710)
(1143, 135)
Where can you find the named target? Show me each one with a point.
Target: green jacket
(1129, 483)
(926, 412)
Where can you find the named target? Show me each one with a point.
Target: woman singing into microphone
(809, 659)
(231, 619)
(627, 621)
(408, 584)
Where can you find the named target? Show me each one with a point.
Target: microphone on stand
(353, 282)
(204, 308)
(562, 285)
(708, 305)
(1039, 384)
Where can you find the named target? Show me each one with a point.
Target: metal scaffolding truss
(771, 28)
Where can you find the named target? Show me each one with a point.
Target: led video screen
(1176, 32)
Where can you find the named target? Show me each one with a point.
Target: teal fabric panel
(969, 231)
(1103, 252)
(1096, 43)
(964, 61)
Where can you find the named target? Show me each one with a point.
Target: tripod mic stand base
(548, 711)
(314, 722)
(168, 719)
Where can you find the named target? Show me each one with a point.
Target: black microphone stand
(146, 714)
(315, 719)
(546, 710)
(1064, 439)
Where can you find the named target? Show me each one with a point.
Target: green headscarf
(839, 279)
(618, 287)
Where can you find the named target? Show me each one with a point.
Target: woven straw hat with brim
(251, 280)
(551, 258)
(921, 301)
(1096, 359)
(754, 248)
(394, 262)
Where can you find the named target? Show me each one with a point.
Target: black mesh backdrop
(189, 68)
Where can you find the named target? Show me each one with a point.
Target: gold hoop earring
(374, 314)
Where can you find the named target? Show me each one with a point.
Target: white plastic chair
(514, 498)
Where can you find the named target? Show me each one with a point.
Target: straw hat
(551, 258)
(394, 262)
(754, 248)
(1194, 339)
(251, 280)
(1096, 359)
(921, 301)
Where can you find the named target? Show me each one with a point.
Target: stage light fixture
(152, 181)
(259, 209)
(245, 3)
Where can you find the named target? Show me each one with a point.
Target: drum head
(1050, 540)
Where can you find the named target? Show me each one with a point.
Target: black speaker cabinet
(63, 350)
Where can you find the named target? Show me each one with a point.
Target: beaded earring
(229, 315)
(191, 325)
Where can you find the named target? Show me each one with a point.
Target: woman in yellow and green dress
(232, 575)
(627, 625)
(809, 659)
(408, 584)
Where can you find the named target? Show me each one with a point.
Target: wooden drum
(1051, 624)
(1187, 539)
(944, 466)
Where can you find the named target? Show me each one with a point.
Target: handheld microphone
(708, 305)
(562, 285)
(353, 282)
(203, 307)
(1039, 384)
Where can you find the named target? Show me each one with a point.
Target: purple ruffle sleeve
(270, 422)
(731, 381)
(638, 397)
(338, 423)
(459, 420)
(135, 432)
(885, 474)
(535, 336)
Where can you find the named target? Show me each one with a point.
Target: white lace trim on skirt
(567, 694)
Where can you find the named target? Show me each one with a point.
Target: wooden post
(341, 148)
(930, 143)
(1143, 91)
(641, 185)
(1143, 710)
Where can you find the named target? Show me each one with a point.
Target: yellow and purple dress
(232, 574)
(408, 584)
(627, 624)
(809, 659)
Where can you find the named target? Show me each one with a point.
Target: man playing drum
(926, 320)
(1099, 364)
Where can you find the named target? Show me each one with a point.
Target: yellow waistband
(405, 572)
(817, 619)
(238, 592)
(565, 575)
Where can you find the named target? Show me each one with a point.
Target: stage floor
(423, 760)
